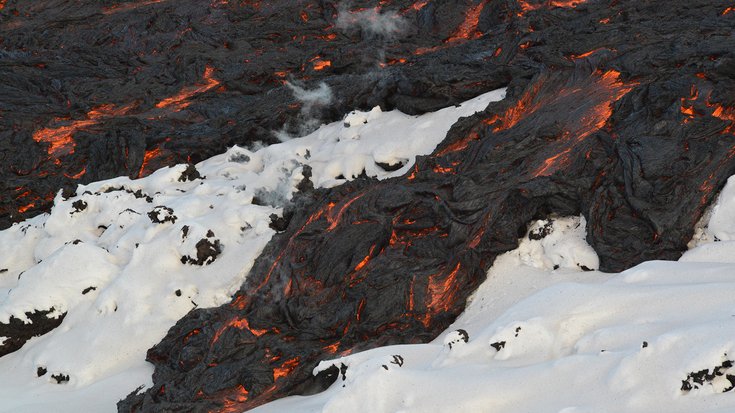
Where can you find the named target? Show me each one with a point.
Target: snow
(541, 334)
(120, 257)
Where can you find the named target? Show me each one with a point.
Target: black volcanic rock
(16, 332)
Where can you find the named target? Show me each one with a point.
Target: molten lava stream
(120, 7)
(468, 28)
(179, 101)
(60, 138)
(526, 6)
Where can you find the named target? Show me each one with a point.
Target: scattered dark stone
(178, 293)
(207, 252)
(60, 378)
(184, 231)
(190, 173)
(2, 270)
(162, 214)
(138, 194)
(697, 379)
(340, 176)
(41, 371)
(210, 233)
(79, 205)
(280, 224)
(397, 360)
(343, 371)
(541, 233)
(498, 345)
(88, 289)
(76, 242)
(239, 158)
(16, 332)
(390, 167)
(132, 211)
(321, 381)
(556, 266)
(305, 184)
(645, 344)
(455, 337)
(463, 333)
(585, 268)
(518, 330)
(67, 193)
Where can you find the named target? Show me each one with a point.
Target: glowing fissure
(286, 368)
(60, 138)
(724, 113)
(468, 28)
(240, 324)
(124, 7)
(526, 6)
(180, 101)
(147, 158)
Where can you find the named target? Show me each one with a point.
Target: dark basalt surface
(619, 110)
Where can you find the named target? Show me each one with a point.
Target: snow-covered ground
(125, 259)
(540, 335)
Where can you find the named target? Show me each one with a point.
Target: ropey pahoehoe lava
(623, 111)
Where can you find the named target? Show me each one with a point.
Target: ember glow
(60, 136)
(125, 7)
(149, 156)
(527, 5)
(586, 54)
(180, 101)
(468, 28)
(321, 64)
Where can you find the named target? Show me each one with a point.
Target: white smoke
(371, 22)
(320, 96)
(311, 100)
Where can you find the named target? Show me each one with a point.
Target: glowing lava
(526, 6)
(180, 100)
(468, 28)
(60, 137)
(241, 324)
(121, 7)
(322, 64)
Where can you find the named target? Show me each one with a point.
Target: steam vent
(622, 111)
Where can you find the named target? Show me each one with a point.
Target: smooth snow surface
(118, 258)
